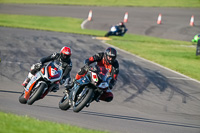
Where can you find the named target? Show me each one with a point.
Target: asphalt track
(141, 20)
(148, 97)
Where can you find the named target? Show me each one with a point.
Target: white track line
(83, 23)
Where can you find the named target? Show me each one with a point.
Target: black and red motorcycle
(86, 90)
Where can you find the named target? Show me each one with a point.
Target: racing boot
(68, 88)
(26, 81)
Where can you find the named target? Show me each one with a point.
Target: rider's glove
(36, 66)
(86, 67)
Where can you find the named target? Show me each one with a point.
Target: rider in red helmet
(63, 57)
(108, 60)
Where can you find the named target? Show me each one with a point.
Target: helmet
(65, 53)
(110, 55)
(121, 23)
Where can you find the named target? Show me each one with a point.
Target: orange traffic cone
(90, 15)
(159, 18)
(126, 17)
(192, 21)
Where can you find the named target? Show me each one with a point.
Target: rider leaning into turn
(119, 30)
(121, 27)
(108, 60)
(63, 57)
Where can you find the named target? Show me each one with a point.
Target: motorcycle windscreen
(102, 74)
(32, 81)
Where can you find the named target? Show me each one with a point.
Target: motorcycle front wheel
(22, 100)
(36, 94)
(64, 103)
(85, 99)
(108, 34)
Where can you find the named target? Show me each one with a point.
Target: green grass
(177, 55)
(143, 3)
(71, 25)
(11, 123)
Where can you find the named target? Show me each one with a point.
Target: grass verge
(11, 123)
(59, 24)
(142, 3)
(177, 55)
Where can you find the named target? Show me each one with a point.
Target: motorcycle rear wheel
(36, 94)
(64, 103)
(84, 102)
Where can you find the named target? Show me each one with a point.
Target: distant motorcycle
(86, 90)
(115, 31)
(44, 81)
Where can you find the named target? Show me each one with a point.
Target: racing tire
(36, 94)
(84, 102)
(64, 103)
(22, 100)
(108, 34)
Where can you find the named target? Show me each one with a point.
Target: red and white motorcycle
(43, 82)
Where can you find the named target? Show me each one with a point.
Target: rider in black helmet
(108, 60)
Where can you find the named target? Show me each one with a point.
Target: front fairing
(113, 29)
(52, 72)
(91, 80)
(33, 80)
(84, 80)
(79, 84)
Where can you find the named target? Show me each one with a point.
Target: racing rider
(122, 28)
(63, 57)
(108, 60)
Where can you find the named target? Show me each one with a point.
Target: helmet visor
(111, 58)
(65, 57)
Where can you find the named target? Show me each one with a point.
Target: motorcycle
(43, 82)
(115, 31)
(86, 90)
